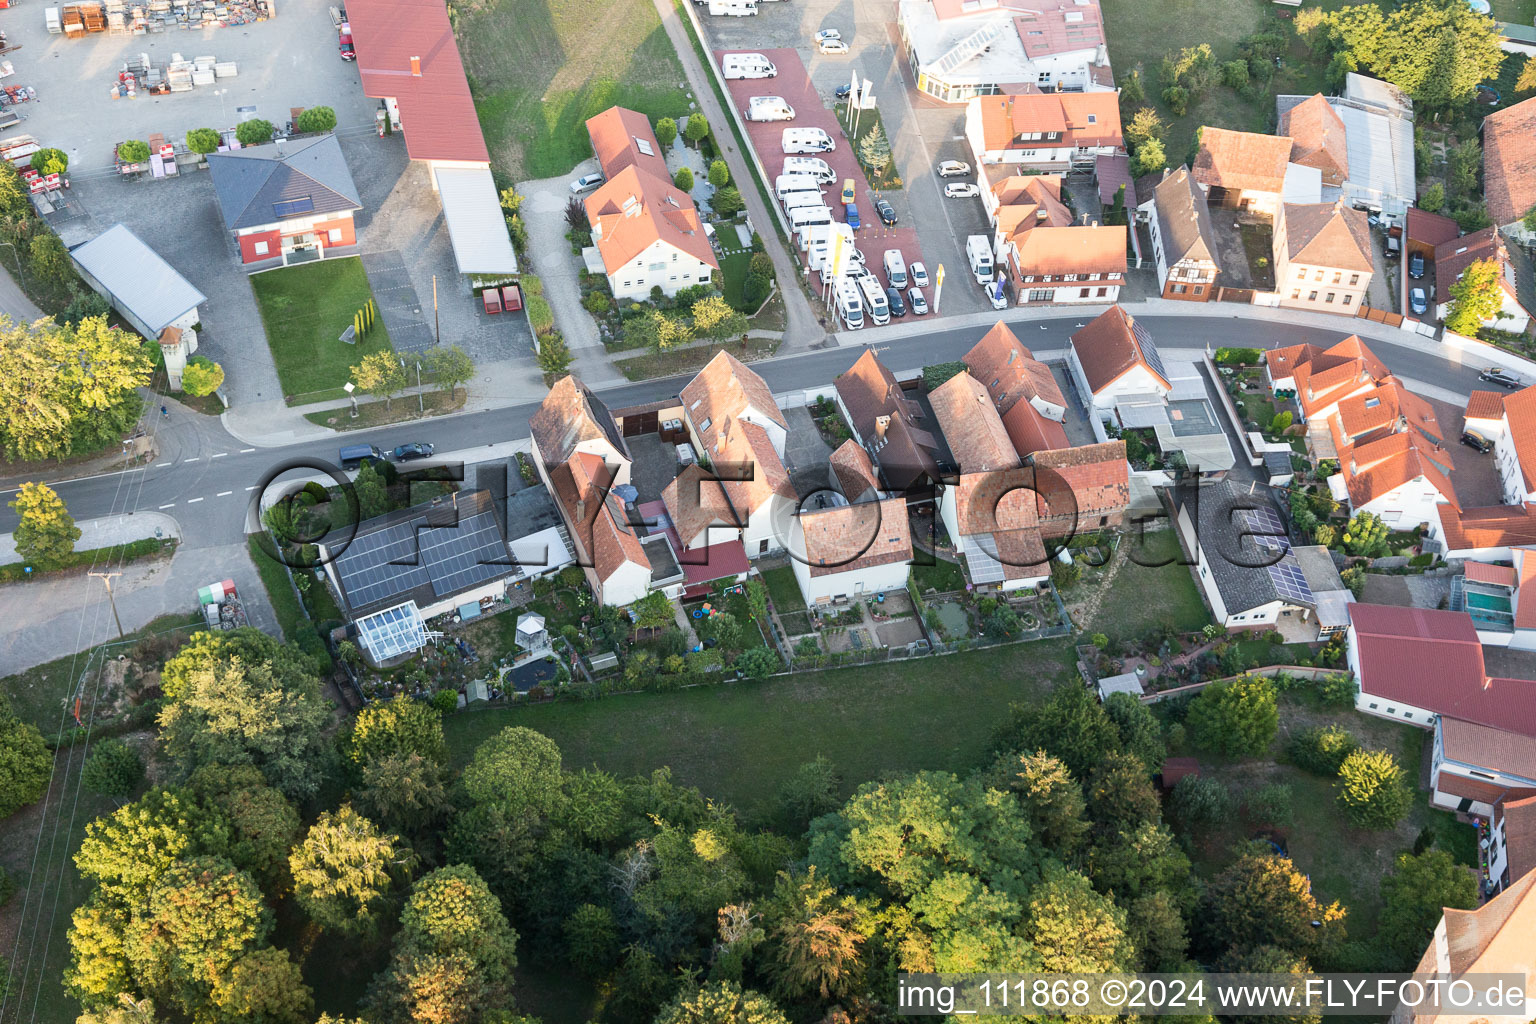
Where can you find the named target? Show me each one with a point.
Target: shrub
(50, 161)
(1234, 74)
(133, 151)
(727, 202)
(1236, 356)
(554, 354)
(202, 376)
(761, 263)
(316, 119)
(719, 174)
(1270, 805)
(1336, 691)
(1236, 718)
(1200, 800)
(666, 132)
(1176, 99)
(540, 317)
(202, 140)
(1321, 749)
(1373, 789)
(254, 132)
(683, 179)
(113, 769)
(85, 305)
(755, 290)
(597, 302)
(1281, 423)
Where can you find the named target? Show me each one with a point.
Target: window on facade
(260, 248)
(1041, 295)
(1103, 292)
(1311, 296)
(1373, 705)
(1082, 293)
(1199, 289)
(1480, 775)
(1348, 299)
(674, 257)
(1319, 276)
(1178, 289)
(1354, 278)
(335, 236)
(1301, 275)
(1337, 276)
(1391, 710)
(1329, 297)
(1295, 293)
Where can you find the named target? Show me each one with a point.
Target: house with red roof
(1509, 167)
(648, 234)
(1114, 356)
(1493, 939)
(1508, 419)
(1049, 258)
(608, 541)
(1042, 131)
(1183, 243)
(1243, 170)
(1392, 453)
(1490, 533)
(1501, 598)
(1323, 257)
(1454, 257)
(408, 59)
(857, 541)
(892, 427)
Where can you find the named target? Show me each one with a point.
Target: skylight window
(644, 146)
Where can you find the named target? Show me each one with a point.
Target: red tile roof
(1487, 572)
(970, 423)
(1031, 432)
(437, 112)
(1485, 405)
(1525, 600)
(569, 415)
(1517, 810)
(635, 209)
(1082, 249)
(621, 138)
(1520, 407)
(1509, 161)
(854, 471)
(1495, 526)
(1433, 660)
(1376, 468)
(1093, 479)
(1241, 160)
(605, 538)
(1470, 933)
(1330, 375)
(1009, 371)
(1489, 747)
(1469, 789)
(725, 389)
(1317, 138)
(696, 501)
(857, 536)
(1058, 26)
(1109, 347)
(1005, 118)
(1430, 228)
(1454, 257)
(1328, 235)
(1388, 406)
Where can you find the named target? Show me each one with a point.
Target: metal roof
(262, 185)
(475, 221)
(136, 277)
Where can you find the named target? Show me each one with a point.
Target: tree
(380, 374)
(1365, 535)
(136, 151)
(1237, 718)
(49, 257)
(1176, 99)
(1234, 74)
(316, 119)
(875, 151)
(50, 161)
(518, 770)
(127, 1010)
(202, 376)
(1120, 793)
(758, 663)
(653, 611)
(1074, 928)
(1477, 296)
(203, 140)
(1144, 126)
(399, 726)
(112, 769)
(1321, 750)
(1526, 82)
(721, 1002)
(696, 130)
(1529, 220)
(450, 367)
(1156, 929)
(126, 853)
(1140, 732)
(25, 763)
(1261, 899)
(1199, 801)
(261, 825)
(1373, 790)
(1003, 621)
(239, 708)
(344, 870)
(1415, 895)
(1436, 52)
(554, 354)
(1433, 198)
(1150, 158)
(263, 987)
(1138, 860)
(666, 132)
(45, 533)
(254, 132)
(727, 202)
(1270, 805)
(719, 174)
(404, 792)
(372, 494)
(683, 179)
(808, 794)
(1281, 422)
(1071, 724)
(713, 317)
(1053, 802)
(591, 939)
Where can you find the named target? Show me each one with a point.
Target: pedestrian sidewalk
(108, 532)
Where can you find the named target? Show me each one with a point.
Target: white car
(919, 274)
(961, 190)
(828, 35)
(856, 259)
(587, 182)
(953, 168)
(832, 46)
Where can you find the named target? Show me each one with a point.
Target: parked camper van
(850, 304)
(747, 65)
(806, 217)
(785, 184)
(733, 8)
(796, 200)
(769, 108)
(875, 303)
(978, 252)
(807, 140)
(895, 268)
(812, 165)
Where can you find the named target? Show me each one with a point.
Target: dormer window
(705, 425)
(1371, 403)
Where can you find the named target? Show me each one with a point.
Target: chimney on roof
(416, 67)
(581, 509)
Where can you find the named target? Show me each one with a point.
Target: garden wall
(1269, 671)
(1490, 355)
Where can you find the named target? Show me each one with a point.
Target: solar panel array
(393, 631)
(1264, 526)
(397, 559)
(1149, 350)
(285, 208)
(1290, 583)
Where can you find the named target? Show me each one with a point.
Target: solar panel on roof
(1149, 350)
(403, 556)
(1264, 526)
(1289, 581)
(292, 207)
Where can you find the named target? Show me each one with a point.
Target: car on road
(344, 42)
(961, 190)
(1417, 301)
(1416, 265)
(832, 46)
(828, 35)
(953, 168)
(842, 91)
(917, 302)
(1472, 439)
(851, 215)
(1503, 378)
(919, 274)
(847, 190)
(898, 306)
(414, 450)
(587, 182)
(886, 211)
(353, 456)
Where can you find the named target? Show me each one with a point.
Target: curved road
(208, 486)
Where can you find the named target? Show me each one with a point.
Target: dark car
(354, 455)
(842, 91)
(1416, 265)
(1494, 375)
(897, 303)
(415, 450)
(886, 211)
(1472, 439)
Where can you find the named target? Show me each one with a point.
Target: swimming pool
(1489, 602)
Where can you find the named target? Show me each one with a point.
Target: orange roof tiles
(971, 426)
(1092, 478)
(623, 138)
(1031, 432)
(1328, 235)
(1487, 572)
(1241, 160)
(1377, 468)
(1520, 407)
(856, 536)
(1081, 250)
(634, 210)
(696, 500)
(854, 471)
(1001, 500)
(1317, 138)
(1494, 526)
(1525, 603)
(1454, 257)
(1388, 407)
(1083, 119)
(1509, 161)
(569, 415)
(725, 389)
(1505, 923)
(1110, 346)
(581, 486)
(1327, 376)
(1009, 371)
(1485, 405)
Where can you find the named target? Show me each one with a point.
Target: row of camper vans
(747, 65)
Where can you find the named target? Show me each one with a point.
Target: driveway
(807, 456)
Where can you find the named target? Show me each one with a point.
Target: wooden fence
(1379, 316)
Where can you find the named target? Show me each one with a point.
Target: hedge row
(15, 572)
(1237, 356)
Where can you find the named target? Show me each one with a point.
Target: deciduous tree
(1416, 893)
(50, 161)
(666, 132)
(1237, 718)
(263, 987)
(380, 374)
(1071, 724)
(45, 532)
(713, 317)
(517, 770)
(1140, 732)
(399, 726)
(262, 825)
(1261, 899)
(25, 763)
(815, 938)
(723, 1002)
(1053, 802)
(1150, 157)
(1074, 928)
(450, 367)
(719, 174)
(344, 870)
(203, 140)
(202, 376)
(808, 794)
(1436, 52)
(128, 851)
(696, 129)
(1120, 793)
(1476, 296)
(683, 179)
(316, 119)
(1373, 790)
(255, 132)
(403, 792)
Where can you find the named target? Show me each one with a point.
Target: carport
(476, 225)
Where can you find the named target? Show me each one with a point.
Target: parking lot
(921, 131)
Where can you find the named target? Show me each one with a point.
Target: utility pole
(437, 327)
(107, 578)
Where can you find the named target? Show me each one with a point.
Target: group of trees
(710, 317)
(382, 374)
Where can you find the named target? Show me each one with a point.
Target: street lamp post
(349, 387)
(420, 401)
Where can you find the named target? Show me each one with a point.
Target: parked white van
(733, 8)
(784, 184)
(747, 65)
(807, 140)
(796, 200)
(874, 300)
(807, 216)
(895, 268)
(850, 304)
(978, 252)
(769, 108)
(812, 165)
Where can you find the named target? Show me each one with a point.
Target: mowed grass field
(738, 742)
(540, 68)
(305, 309)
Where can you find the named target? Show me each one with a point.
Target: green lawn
(942, 576)
(737, 742)
(1143, 597)
(1518, 11)
(733, 271)
(784, 589)
(304, 310)
(540, 68)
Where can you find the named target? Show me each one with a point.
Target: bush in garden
(1321, 749)
(683, 179)
(203, 140)
(254, 132)
(316, 119)
(1373, 789)
(1200, 800)
(1270, 805)
(113, 769)
(202, 376)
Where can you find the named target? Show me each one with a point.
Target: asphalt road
(209, 486)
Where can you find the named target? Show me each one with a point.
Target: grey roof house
(146, 290)
(287, 200)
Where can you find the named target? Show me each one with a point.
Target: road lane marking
(171, 505)
(194, 458)
(251, 488)
(224, 494)
(218, 456)
(244, 451)
(161, 465)
(193, 501)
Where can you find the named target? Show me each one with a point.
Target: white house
(1514, 447)
(1043, 131)
(573, 420)
(863, 547)
(1114, 357)
(609, 548)
(1452, 260)
(1183, 244)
